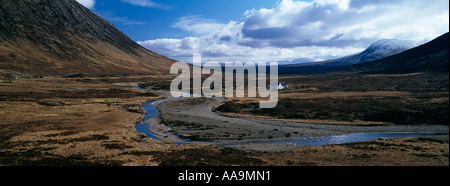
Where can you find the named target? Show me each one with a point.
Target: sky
(271, 30)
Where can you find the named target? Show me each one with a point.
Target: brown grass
(403, 99)
(88, 129)
(314, 121)
(90, 121)
(394, 152)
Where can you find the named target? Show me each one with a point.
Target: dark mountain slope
(48, 37)
(378, 50)
(430, 57)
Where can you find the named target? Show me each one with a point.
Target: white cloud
(316, 30)
(146, 3)
(197, 24)
(213, 48)
(338, 23)
(87, 3)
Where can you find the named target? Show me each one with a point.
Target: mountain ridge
(436, 49)
(429, 57)
(62, 37)
(377, 50)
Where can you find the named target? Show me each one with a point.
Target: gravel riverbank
(193, 120)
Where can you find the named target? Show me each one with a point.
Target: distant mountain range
(429, 57)
(378, 50)
(384, 56)
(48, 37)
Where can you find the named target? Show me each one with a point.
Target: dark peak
(429, 57)
(19, 17)
(64, 37)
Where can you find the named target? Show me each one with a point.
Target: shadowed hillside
(430, 57)
(47, 37)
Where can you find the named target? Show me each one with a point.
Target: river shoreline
(96, 127)
(209, 127)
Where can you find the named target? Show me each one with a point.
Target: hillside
(430, 57)
(47, 37)
(378, 50)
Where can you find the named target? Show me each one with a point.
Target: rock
(52, 103)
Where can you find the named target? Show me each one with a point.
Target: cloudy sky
(271, 30)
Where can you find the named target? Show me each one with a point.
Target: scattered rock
(52, 103)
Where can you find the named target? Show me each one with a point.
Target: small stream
(150, 112)
(143, 127)
(349, 138)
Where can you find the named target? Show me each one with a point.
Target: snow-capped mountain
(378, 50)
(429, 57)
(384, 56)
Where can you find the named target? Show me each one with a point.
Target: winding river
(151, 111)
(349, 138)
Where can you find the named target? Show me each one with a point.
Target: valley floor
(194, 119)
(90, 121)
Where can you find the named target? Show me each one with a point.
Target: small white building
(279, 87)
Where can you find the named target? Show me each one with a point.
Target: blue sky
(271, 30)
(144, 22)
